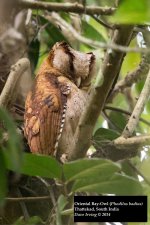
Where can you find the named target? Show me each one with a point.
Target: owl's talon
(54, 104)
(65, 89)
(64, 158)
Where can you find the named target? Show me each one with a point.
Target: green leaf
(131, 60)
(103, 134)
(148, 106)
(133, 223)
(67, 212)
(90, 32)
(40, 165)
(33, 51)
(118, 121)
(3, 178)
(62, 202)
(117, 184)
(145, 167)
(19, 221)
(126, 168)
(52, 34)
(85, 168)
(34, 220)
(132, 12)
(12, 148)
(139, 86)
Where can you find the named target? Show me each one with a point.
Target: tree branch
(132, 77)
(136, 140)
(133, 121)
(56, 20)
(66, 7)
(105, 78)
(138, 109)
(120, 148)
(8, 93)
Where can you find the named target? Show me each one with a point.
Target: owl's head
(77, 66)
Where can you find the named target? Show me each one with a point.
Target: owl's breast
(76, 101)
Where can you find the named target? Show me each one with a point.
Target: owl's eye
(56, 94)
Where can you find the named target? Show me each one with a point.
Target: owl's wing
(45, 116)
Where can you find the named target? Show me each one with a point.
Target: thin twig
(132, 77)
(28, 199)
(8, 93)
(103, 23)
(129, 98)
(66, 7)
(124, 112)
(57, 20)
(23, 206)
(32, 192)
(133, 120)
(49, 187)
(138, 172)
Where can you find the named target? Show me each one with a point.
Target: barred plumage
(47, 103)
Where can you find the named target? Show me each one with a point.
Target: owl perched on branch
(55, 103)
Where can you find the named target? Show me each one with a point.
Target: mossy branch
(8, 93)
(105, 79)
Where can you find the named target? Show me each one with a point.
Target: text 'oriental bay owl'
(55, 103)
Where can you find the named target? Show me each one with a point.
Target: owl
(54, 105)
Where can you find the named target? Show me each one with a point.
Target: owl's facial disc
(73, 64)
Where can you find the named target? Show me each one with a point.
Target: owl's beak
(78, 81)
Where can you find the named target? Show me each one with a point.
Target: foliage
(133, 12)
(10, 150)
(78, 173)
(35, 220)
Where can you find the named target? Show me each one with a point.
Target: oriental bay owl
(55, 103)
